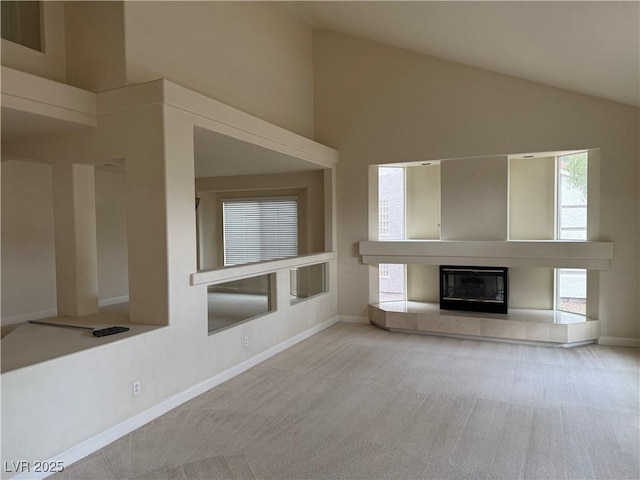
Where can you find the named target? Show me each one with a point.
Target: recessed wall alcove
(496, 211)
(246, 194)
(183, 144)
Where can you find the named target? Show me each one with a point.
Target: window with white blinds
(259, 229)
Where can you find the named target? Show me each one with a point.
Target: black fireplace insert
(475, 289)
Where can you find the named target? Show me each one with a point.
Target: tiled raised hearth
(552, 326)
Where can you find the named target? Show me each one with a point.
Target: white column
(74, 207)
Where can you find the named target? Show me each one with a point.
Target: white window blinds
(259, 229)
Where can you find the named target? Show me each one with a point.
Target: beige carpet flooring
(357, 402)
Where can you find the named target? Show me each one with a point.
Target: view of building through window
(391, 219)
(571, 283)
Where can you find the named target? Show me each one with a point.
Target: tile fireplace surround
(521, 325)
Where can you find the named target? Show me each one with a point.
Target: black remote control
(101, 332)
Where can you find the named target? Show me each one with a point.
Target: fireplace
(476, 289)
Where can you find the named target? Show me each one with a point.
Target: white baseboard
(353, 319)
(113, 301)
(102, 439)
(25, 317)
(619, 341)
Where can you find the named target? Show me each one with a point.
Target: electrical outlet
(246, 340)
(136, 387)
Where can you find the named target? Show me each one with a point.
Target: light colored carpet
(358, 402)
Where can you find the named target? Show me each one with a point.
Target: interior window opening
(238, 301)
(307, 282)
(21, 23)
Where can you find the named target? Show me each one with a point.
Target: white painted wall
(423, 222)
(378, 104)
(254, 56)
(95, 44)
(531, 217)
(111, 230)
(423, 283)
(28, 256)
(531, 288)
(474, 196)
(423, 202)
(531, 198)
(74, 221)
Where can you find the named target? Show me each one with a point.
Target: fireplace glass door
(480, 289)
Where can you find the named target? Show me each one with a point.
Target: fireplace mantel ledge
(591, 255)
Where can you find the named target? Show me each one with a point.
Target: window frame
(381, 271)
(558, 272)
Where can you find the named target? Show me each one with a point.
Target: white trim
(512, 253)
(36, 92)
(25, 317)
(619, 341)
(238, 272)
(113, 301)
(102, 439)
(241, 125)
(353, 319)
(218, 117)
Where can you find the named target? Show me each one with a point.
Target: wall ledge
(238, 272)
(25, 317)
(45, 105)
(105, 302)
(513, 253)
(218, 117)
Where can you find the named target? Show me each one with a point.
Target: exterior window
(572, 197)
(21, 24)
(384, 270)
(383, 218)
(256, 230)
(391, 226)
(571, 283)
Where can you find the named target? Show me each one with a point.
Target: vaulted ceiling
(584, 46)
